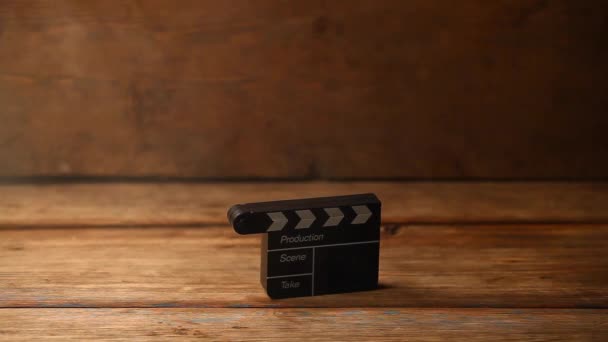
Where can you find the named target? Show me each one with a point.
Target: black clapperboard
(315, 246)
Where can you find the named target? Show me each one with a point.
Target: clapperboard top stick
(310, 213)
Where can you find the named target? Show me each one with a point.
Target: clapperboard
(315, 246)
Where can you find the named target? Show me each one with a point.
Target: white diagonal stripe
(278, 221)
(306, 219)
(335, 217)
(363, 214)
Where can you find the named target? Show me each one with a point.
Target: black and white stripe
(306, 218)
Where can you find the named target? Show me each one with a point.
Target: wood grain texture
(554, 266)
(395, 324)
(314, 89)
(124, 204)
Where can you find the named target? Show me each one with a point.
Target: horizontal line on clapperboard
(332, 245)
(290, 275)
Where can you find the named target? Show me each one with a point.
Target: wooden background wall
(308, 89)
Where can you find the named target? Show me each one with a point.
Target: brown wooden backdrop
(313, 89)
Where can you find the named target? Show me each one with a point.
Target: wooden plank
(557, 266)
(395, 324)
(315, 89)
(206, 203)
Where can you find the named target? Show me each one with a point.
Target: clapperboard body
(315, 246)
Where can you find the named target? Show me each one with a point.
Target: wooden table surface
(152, 261)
